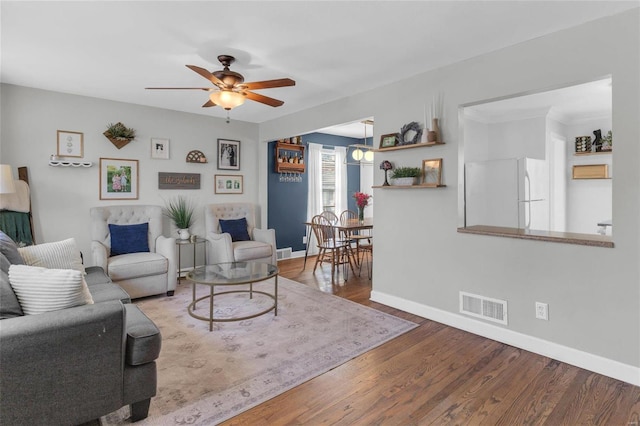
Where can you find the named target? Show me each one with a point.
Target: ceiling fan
(230, 90)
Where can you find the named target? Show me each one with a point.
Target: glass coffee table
(240, 275)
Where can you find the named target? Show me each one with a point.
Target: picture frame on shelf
(118, 179)
(228, 184)
(70, 144)
(389, 140)
(228, 154)
(432, 172)
(159, 149)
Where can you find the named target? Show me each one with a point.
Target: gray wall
(421, 262)
(62, 196)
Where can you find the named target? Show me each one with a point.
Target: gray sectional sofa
(74, 365)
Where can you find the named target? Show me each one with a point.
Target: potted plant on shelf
(180, 211)
(405, 175)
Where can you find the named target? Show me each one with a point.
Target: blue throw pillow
(129, 238)
(237, 228)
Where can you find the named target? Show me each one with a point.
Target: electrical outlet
(304, 240)
(542, 311)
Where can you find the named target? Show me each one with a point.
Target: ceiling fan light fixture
(227, 99)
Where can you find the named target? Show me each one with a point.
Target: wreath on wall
(410, 133)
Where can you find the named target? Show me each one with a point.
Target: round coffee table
(232, 274)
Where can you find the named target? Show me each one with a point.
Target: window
(328, 180)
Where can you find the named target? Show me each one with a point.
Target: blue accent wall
(287, 209)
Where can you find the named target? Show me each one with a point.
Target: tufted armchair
(143, 273)
(261, 245)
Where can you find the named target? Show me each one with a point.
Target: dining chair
(359, 237)
(332, 250)
(330, 216)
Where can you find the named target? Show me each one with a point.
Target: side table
(193, 241)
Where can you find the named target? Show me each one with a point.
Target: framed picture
(70, 144)
(432, 171)
(160, 149)
(228, 184)
(228, 154)
(118, 179)
(387, 141)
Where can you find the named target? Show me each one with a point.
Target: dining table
(348, 227)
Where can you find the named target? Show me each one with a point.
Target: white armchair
(260, 247)
(140, 274)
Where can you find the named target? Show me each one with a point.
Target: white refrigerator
(511, 193)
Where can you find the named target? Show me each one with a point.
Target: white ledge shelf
(60, 163)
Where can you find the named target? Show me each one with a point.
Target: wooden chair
(332, 250)
(330, 216)
(361, 239)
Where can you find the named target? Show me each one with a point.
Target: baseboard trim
(608, 367)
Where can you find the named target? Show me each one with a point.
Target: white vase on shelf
(184, 234)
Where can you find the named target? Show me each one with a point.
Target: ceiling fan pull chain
(228, 117)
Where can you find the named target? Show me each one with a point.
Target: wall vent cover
(483, 307)
(284, 253)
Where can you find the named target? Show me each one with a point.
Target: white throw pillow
(42, 290)
(59, 255)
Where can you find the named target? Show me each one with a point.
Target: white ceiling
(114, 49)
(566, 104)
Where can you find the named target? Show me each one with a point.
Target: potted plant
(405, 175)
(180, 211)
(119, 134)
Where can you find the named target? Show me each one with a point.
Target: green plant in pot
(180, 211)
(121, 132)
(405, 175)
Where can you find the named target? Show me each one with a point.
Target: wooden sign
(591, 171)
(178, 180)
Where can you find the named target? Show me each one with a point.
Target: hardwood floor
(436, 374)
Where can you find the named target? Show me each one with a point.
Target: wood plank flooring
(439, 375)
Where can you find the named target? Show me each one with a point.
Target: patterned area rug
(208, 377)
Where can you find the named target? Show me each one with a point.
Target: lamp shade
(357, 154)
(227, 99)
(6, 179)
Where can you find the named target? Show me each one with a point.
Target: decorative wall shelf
(580, 154)
(421, 186)
(196, 156)
(285, 166)
(399, 147)
(62, 163)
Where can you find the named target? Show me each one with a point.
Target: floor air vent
(284, 253)
(483, 307)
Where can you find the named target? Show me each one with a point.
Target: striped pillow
(42, 290)
(59, 255)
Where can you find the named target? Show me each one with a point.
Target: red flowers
(362, 199)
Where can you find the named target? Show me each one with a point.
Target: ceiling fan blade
(208, 104)
(178, 88)
(263, 99)
(268, 84)
(206, 74)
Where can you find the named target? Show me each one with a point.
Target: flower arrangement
(362, 199)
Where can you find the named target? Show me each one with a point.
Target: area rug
(207, 377)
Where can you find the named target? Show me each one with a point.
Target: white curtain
(341, 179)
(314, 196)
